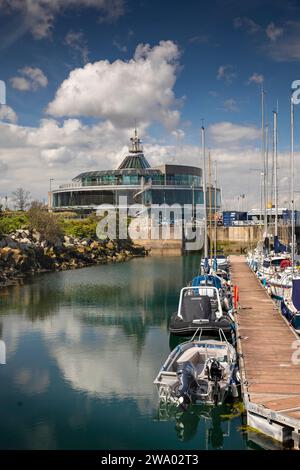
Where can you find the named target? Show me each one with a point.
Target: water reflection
(83, 349)
(212, 424)
(35, 303)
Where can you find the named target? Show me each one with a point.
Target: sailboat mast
(263, 155)
(266, 181)
(204, 191)
(292, 183)
(215, 241)
(275, 139)
(210, 206)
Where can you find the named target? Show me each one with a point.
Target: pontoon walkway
(270, 362)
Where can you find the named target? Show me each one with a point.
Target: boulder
(95, 245)
(36, 236)
(68, 240)
(10, 242)
(110, 245)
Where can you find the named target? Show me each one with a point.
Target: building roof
(125, 171)
(136, 161)
(136, 158)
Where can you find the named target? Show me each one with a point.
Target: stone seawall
(23, 253)
(238, 239)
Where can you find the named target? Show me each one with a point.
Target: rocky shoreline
(24, 253)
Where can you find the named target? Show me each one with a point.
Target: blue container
(229, 217)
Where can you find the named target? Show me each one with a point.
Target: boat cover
(196, 308)
(280, 247)
(296, 293)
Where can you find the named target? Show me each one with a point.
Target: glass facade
(136, 179)
(170, 184)
(82, 198)
(77, 198)
(178, 196)
(183, 180)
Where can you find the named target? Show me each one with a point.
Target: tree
(44, 222)
(21, 198)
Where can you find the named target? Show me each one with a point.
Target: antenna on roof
(135, 142)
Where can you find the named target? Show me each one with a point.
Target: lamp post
(193, 200)
(50, 184)
(240, 196)
(50, 194)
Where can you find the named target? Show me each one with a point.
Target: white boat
(220, 262)
(2, 352)
(290, 305)
(280, 284)
(199, 371)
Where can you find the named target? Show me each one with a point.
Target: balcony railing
(153, 182)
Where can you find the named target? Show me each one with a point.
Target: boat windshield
(208, 280)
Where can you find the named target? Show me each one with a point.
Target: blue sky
(214, 57)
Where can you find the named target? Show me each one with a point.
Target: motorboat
(220, 283)
(219, 262)
(200, 306)
(199, 371)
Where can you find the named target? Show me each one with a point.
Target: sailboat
(273, 266)
(290, 305)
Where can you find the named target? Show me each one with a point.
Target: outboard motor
(215, 374)
(186, 373)
(215, 370)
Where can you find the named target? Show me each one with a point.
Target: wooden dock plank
(266, 341)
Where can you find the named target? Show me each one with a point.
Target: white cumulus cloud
(284, 43)
(76, 41)
(256, 78)
(7, 114)
(122, 91)
(31, 79)
(179, 134)
(57, 155)
(30, 156)
(227, 132)
(39, 15)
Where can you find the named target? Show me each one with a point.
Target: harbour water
(83, 348)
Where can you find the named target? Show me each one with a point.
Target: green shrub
(11, 222)
(85, 228)
(44, 222)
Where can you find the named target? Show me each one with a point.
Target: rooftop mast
(135, 146)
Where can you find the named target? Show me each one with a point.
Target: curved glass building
(135, 179)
